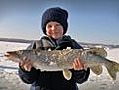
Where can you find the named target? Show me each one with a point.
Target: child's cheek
(49, 32)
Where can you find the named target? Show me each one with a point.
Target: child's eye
(49, 26)
(58, 25)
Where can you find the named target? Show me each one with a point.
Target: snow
(9, 79)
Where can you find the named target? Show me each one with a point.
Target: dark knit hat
(55, 14)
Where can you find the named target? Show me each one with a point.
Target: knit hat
(55, 14)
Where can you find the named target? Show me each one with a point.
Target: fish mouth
(7, 54)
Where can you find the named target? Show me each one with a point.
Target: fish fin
(97, 69)
(67, 74)
(98, 51)
(68, 48)
(112, 69)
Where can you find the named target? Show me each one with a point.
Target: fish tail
(112, 68)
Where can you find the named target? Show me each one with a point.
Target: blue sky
(94, 21)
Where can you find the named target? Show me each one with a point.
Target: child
(54, 26)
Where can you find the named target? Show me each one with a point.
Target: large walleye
(58, 60)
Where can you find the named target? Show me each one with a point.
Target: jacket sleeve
(28, 77)
(31, 76)
(81, 76)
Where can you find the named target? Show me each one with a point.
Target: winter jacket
(53, 80)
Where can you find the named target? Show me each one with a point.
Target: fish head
(12, 55)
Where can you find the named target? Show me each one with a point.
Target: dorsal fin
(98, 51)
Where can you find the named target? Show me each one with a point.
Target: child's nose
(53, 27)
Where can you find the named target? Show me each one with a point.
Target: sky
(92, 21)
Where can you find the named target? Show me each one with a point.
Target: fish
(61, 60)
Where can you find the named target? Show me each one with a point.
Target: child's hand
(26, 64)
(77, 65)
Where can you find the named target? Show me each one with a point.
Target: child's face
(54, 30)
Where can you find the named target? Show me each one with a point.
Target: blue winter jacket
(53, 80)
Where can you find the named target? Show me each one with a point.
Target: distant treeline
(82, 43)
(89, 45)
(15, 40)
